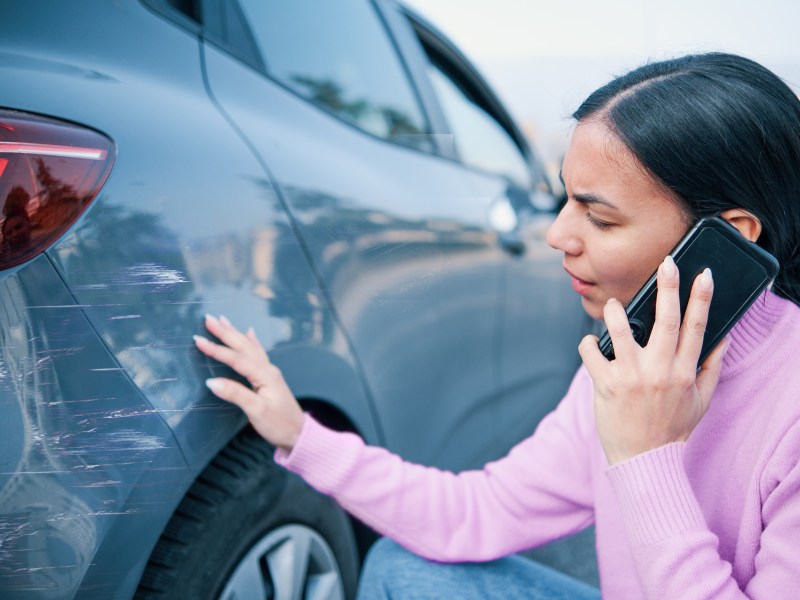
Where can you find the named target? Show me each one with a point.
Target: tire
(251, 529)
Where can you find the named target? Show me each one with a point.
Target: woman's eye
(597, 222)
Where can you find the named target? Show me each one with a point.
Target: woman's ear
(747, 223)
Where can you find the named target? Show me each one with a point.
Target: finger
(233, 392)
(591, 356)
(227, 333)
(667, 326)
(619, 329)
(251, 335)
(695, 320)
(708, 377)
(247, 342)
(241, 363)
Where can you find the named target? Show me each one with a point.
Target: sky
(544, 58)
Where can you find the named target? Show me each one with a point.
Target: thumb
(708, 376)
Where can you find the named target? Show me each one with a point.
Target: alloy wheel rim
(292, 562)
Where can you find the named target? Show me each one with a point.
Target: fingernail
(210, 317)
(215, 385)
(224, 320)
(199, 338)
(706, 281)
(669, 268)
(610, 301)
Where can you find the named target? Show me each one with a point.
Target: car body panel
(79, 439)
(238, 254)
(541, 319)
(405, 260)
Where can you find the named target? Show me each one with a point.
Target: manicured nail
(611, 301)
(211, 318)
(669, 268)
(215, 385)
(224, 320)
(199, 339)
(706, 281)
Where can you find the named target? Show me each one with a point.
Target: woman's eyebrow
(593, 199)
(588, 198)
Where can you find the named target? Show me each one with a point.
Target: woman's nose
(563, 234)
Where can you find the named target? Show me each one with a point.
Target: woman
(690, 476)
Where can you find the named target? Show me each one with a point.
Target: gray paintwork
(369, 269)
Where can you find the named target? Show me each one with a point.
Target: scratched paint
(151, 274)
(77, 437)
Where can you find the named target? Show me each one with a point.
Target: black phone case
(741, 271)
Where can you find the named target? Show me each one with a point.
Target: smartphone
(741, 271)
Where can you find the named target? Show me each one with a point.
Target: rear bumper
(80, 451)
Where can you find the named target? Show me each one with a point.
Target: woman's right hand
(270, 406)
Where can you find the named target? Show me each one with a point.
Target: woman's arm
(678, 556)
(647, 403)
(540, 491)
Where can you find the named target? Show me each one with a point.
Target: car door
(398, 237)
(542, 320)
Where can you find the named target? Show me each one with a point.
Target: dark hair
(720, 131)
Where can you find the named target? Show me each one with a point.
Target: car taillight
(49, 173)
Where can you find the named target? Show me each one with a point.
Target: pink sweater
(715, 517)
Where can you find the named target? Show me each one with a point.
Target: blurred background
(544, 58)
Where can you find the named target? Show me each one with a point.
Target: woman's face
(618, 223)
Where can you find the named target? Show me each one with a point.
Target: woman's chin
(593, 308)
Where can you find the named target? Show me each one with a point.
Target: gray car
(335, 174)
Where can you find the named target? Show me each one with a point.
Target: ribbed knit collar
(749, 337)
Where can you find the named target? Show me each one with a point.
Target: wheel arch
(329, 387)
(246, 462)
(334, 418)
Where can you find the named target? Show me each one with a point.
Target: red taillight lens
(49, 173)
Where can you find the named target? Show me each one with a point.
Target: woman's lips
(579, 285)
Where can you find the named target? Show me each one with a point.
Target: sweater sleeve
(677, 555)
(540, 491)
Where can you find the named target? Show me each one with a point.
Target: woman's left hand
(652, 396)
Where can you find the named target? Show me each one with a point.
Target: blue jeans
(390, 571)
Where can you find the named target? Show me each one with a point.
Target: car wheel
(247, 528)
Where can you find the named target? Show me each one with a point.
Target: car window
(339, 56)
(478, 138)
